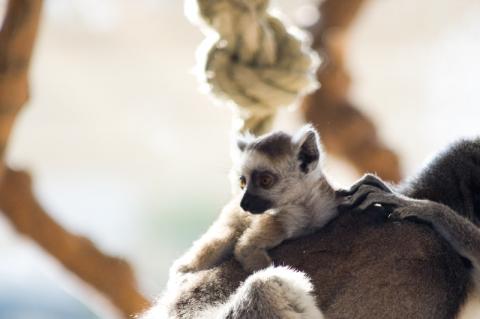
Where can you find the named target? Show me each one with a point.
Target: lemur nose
(255, 204)
(244, 204)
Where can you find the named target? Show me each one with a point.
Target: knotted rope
(252, 60)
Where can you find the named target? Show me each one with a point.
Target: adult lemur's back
(446, 198)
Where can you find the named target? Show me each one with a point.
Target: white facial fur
(279, 154)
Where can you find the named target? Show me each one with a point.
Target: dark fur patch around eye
(273, 145)
(256, 176)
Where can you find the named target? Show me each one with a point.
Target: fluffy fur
(273, 293)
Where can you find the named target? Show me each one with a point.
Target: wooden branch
(345, 130)
(16, 42)
(111, 276)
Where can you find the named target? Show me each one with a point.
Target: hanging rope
(252, 60)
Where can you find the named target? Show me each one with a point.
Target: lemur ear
(242, 140)
(240, 143)
(308, 148)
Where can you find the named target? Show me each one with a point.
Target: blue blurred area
(50, 304)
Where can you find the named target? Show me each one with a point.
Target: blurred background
(124, 148)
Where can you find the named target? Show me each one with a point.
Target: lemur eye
(266, 180)
(243, 182)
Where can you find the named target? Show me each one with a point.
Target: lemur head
(276, 169)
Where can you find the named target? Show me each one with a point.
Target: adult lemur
(361, 265)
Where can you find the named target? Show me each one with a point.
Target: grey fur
(451, 178)
(273, 145)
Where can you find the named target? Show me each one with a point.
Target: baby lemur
(280, 193)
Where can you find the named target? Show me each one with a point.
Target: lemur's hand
(423, 210)
(365, 180)
(368, 191)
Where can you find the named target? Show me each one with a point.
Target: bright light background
(125, 150)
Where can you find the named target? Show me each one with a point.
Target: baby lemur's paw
(252, 258)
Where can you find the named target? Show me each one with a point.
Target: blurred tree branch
(111, 276)
(345, 130)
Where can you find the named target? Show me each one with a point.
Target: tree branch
(111, 276)
(17, 36)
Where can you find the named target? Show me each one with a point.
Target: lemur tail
(451, 178)
(275, 292)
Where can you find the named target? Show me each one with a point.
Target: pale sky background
(125, 149)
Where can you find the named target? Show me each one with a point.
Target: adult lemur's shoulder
(451, 178)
